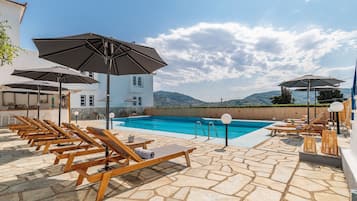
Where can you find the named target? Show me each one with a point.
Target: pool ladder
(210, 125)
(199, 124)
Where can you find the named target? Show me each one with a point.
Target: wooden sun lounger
(89, 147)
(42, 132)
(289, 130)
(26, 129)
(35, 130)
(22, 125)
(64, 137)
(127, 155)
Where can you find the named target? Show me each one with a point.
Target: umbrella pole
(308, 102)
(315, 104)
(60, 102)
(38, 102)
(107, 102)
(28, 104)
(108, 96)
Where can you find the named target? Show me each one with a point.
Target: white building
(126, 91)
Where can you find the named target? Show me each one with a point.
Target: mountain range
(170, 99)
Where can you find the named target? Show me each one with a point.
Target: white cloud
(267, 55)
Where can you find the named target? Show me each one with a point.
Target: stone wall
(256, 113)
(99, 112)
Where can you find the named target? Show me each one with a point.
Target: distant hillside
(164, 98)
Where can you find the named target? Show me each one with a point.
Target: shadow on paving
(11, 154)
(293, 141)
(38, 185)
(135, 179)
(4, 130)
(8, 138)
(47, 184)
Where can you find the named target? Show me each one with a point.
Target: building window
(140, 82)
(91, 74)
(134, 100)
(134, 80)
(83, 100)
(91, 100)
(139, 101)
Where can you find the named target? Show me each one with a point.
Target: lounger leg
(69, 162)
(80, 178)
(47, 147)
(38, 147)
(56, 161)
(188, 162)
(103, 185)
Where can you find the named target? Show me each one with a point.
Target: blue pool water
(188, 125)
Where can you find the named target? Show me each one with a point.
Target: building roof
(23, 5)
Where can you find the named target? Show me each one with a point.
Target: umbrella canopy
(92, 52)
(96, 53)
(309, 81)
(315, 81)
(35, 85)
(55, 74)
(59, 74)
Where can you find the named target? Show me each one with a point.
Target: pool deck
(270, 171)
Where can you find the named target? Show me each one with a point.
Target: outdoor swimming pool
(191, 125)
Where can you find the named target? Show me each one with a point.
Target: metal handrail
(211, 124)
(199, 123)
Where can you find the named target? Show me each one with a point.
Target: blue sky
(215, 49)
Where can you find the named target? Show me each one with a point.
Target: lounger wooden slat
(22, 125)
(329, 143)
(63, 137)
(44, 133)
(91, 147)
(162, 154)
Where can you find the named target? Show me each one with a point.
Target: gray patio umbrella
(58, 74)
(96, 53)
(35, 85)
(315, 90)
(310, 81)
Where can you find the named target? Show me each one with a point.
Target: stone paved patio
(270, 171)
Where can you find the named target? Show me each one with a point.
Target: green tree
(8, 51)
(284, 98)
(329, 96)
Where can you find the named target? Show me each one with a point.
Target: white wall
(12, 13)
(122, 91)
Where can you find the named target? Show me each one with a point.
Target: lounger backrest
(58, 129)
(23, 120)
(114, 143)
(35, 123)
(81, 134)
(45, 125)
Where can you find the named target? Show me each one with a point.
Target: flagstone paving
(269, 171)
